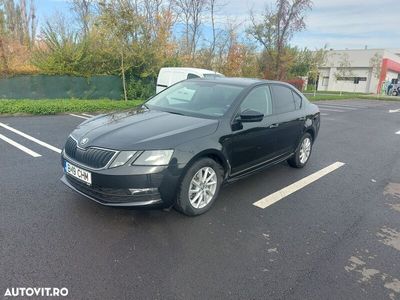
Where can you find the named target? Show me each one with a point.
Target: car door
(253, 144)
(289, 118)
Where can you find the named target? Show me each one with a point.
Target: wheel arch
(214, 154)
(310, 131)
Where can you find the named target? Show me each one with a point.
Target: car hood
(142, 129)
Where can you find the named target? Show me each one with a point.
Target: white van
(169, 76)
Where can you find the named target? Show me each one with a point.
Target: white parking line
(294, 187)
(354, 106)
(339, 107)
(329, 109)
(87, 115)
(398, 132)
(78, 116)
(19, 146)
(394, 110)
(31, 138)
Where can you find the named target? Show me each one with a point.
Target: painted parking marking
(352, 106)
(339, 107)
(398, 132)
(88, 115)
(19, 146)
(298, 185)
(330, 109)
(78, 116)
(394, 110)
(31, 138)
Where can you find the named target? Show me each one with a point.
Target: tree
(121, 26)
(61, 52)
(375, 64)
(307, 63)
(344, 70)
(190, 14)
(3, 56)
(19, 20)
(276, 29)
(83, 11)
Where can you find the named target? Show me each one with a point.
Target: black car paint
(241, 148)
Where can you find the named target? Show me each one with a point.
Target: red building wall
(387, 65)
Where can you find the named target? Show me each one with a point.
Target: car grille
(91, 157)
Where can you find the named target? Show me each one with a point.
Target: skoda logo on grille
(84, 141)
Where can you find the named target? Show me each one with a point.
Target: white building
(361, 71)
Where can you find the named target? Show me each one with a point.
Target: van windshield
(206, 99)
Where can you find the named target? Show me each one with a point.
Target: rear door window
(283, 100)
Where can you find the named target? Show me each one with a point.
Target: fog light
(146, 191)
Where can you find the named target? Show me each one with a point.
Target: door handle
(274, 125)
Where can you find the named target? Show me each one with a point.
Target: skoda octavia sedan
(182, 145)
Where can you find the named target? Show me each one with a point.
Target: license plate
(78, 173)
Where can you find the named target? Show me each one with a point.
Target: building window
(356, 80)
(325, 81)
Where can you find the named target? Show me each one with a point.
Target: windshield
(207, 99)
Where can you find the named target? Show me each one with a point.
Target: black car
(185, 142)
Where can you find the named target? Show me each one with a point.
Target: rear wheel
(199, 187)
(303, 152)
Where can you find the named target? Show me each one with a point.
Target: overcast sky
(338, 23)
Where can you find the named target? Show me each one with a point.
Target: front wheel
(199, 187)
(303, 152)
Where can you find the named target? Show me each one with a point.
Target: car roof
(239, 81)
(194, 70)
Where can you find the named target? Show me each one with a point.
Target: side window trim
(301, 99)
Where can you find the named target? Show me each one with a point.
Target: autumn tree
(17, 35)
(276, 29)
(190, 14)
(19, 20)
(83, 10)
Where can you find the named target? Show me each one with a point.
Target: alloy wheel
(202, 187)
(305, 150)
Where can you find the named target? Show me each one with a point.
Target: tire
(186, 203)
(395, 93)
(297, 160)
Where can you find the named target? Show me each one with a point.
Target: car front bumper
(128, 186)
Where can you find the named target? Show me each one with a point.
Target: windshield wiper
(174, 112)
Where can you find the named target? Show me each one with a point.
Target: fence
(56, 87)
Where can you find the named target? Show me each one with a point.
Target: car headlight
(122, 158)
(154, 158)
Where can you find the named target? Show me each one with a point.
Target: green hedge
(52, 107)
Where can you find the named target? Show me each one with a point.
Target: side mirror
(250, 115)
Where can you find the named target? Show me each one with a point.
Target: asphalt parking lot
(335, 236)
